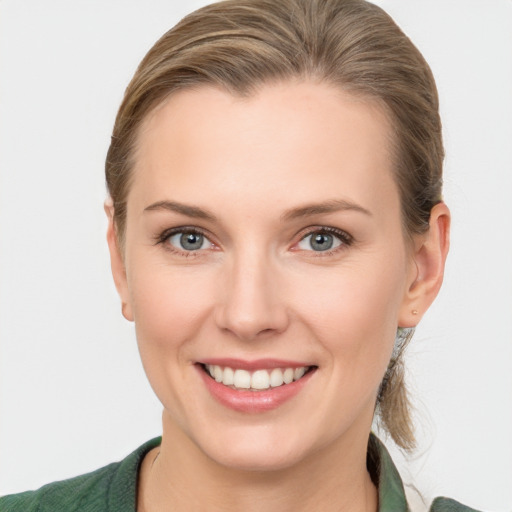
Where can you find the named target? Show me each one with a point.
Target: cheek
(168, 304)
(355, 312)
(169, 308)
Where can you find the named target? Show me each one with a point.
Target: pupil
(322, 242)
(191, 241)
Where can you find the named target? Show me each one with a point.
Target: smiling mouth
(258, 380)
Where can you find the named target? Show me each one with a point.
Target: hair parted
(240, 45)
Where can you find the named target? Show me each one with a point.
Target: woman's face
(264, 246)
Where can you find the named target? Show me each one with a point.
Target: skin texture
(257, 289)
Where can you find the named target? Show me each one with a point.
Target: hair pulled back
(240, 45)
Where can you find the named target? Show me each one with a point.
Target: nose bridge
(251, 303)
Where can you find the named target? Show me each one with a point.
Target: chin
(256, 448)
(256, 458)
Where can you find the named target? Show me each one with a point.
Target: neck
(178, 473)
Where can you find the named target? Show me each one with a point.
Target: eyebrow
(334, 205)
(184, 209)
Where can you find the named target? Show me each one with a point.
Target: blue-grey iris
(191, 241)
(321, 242)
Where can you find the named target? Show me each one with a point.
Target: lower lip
(253, 401)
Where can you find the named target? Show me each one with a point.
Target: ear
(430, 251)
(117, 262)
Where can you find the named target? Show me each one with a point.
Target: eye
(186, 240)
(324, 240)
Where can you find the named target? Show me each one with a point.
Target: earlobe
(117, 262)
(429, 261)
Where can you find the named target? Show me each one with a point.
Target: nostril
(249, 306)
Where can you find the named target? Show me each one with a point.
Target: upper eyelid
(345, 238)
(341, 233)
(167, 233)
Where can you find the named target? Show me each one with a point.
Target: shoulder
(449, 505)
(392, 493)
(109, 488)
(80, 493)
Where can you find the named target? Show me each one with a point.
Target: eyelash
(164, 237)
(346, 239)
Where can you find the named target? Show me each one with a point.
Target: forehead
(297, 141)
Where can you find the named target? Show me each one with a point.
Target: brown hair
(240, 45)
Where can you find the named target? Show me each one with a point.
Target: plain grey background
(73, 395)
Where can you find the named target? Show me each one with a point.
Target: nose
(252, 305)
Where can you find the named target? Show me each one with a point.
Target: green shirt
(113, 488)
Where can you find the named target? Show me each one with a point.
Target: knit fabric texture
(113, 488)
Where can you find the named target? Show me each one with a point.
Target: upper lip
(256, 364)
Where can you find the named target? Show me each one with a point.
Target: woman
(276, 231)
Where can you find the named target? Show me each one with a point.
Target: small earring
(414, 311)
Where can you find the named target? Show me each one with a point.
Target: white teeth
(229, 377)
(288, 375)
(260, 380)
(218, 373)
(242, 379)
(298, 373)
(257, 380)
(276, 377)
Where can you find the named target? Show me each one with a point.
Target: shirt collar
(386, 477)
